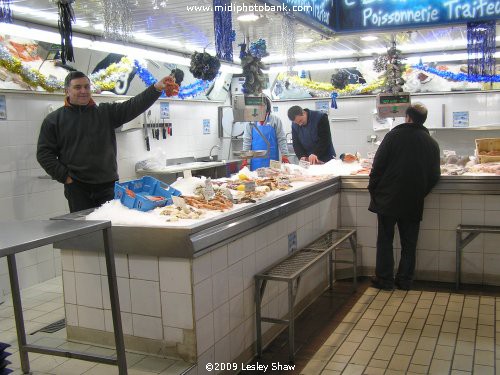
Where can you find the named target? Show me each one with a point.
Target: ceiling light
(368, 38)
(249, 17)
(304, 40)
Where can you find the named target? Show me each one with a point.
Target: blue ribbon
(457, 76)
(334, 95)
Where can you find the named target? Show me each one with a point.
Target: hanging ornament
(5, 12)
(288, 38)
(255, 80)
(333, 96)
(157, 4)
(204, 66)
(394, 69)
(117, 19)
(481, 46)
(66, 17)
(340, 78)
(223, 30)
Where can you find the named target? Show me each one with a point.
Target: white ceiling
(174, 28)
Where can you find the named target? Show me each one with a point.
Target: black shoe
(380, 284)
(403, 285)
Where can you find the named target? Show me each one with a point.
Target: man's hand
(244, 163)
(168, 85)
(313, 159)
(69, 180)
(284, 159)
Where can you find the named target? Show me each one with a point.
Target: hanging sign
(363, 15)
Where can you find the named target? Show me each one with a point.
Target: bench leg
(260, 287)
(121, 359)
(354, 243)
(18, 313)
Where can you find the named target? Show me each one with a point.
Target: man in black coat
(405, 169)
(77, 142)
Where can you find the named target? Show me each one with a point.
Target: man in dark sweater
(312, 140)
(77, 143)
(405, 169)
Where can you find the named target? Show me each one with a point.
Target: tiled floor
(42, 305)
(430, 330)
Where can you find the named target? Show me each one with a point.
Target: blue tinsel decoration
(5, 12)
(243, 50)
(258, 49)
(334, 96)
(192, 90)
(481, 46)
(223, 29)
(458, 76)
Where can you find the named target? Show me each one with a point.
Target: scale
(393, 105)
(250, 109)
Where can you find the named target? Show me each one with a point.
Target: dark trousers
(82, 196)
(408, 233)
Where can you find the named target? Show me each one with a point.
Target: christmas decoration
(192, 90)
(394, 69)
(288, 39)
(117, 19)
(481, 46)
(224, 34)
(157, 4)
(255, 80)
(29, 75)
(105, 79)
(66, 16)
(5, 12)
(457, 76)
(340, 78)
(333, 96)
(204, 66)
(322, 89)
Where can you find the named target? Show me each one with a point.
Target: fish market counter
(188, 291)
(465, 199)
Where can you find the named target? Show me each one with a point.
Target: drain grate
(53, 327)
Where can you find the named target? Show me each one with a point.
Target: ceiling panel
(175, 28)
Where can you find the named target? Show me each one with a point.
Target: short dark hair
(73, 75)
(294, 111)
(417, 113)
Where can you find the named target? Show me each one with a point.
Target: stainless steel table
(17, 237)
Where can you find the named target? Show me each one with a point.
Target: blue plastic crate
(146, 186)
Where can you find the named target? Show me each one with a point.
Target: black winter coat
(80, 142)
(405, 169)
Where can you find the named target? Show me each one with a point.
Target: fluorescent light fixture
(320, 55)
(52, 16)
(249, 17)
(314, 66)
(437, 58)
(226, 68)
(368, 38)
(41, 35)
(440, 45)
(304, 40)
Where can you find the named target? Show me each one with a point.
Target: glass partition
(36, 66)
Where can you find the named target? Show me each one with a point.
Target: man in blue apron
(272, 129)
(312, 140)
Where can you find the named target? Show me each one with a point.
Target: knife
(146, 136)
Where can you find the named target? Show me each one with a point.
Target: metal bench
(290, 270)
(473, 231)
(20, 236)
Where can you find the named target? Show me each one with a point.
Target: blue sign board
(362, 15)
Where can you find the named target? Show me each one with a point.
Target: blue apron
(258, 143)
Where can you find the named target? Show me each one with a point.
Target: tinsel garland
(192, 90)
(117, 19)
(66, 17)
(326, 89)
(29, 75)
(288, 40)
(105, 79)
(5, 12)
(223, 30)
(334, 96)
(481, 46)
(457, 76)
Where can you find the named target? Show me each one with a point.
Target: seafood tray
(145, 193)
(488, 149)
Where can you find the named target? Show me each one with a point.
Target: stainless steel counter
(194, 240)
(446, 184)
